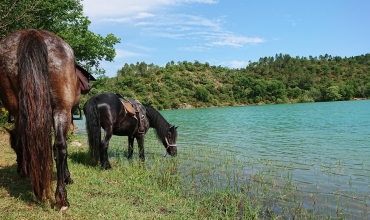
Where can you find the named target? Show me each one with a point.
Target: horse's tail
(93, 128)
(34, 126)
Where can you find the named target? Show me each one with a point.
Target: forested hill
(279, 79)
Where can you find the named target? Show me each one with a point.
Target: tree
(332, 93)
(64, 18)
(301, 80)
(16, 14)
(202, 94)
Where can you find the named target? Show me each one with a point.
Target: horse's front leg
(140, 142)
(61, 126)
(104, 149)
(130, 147)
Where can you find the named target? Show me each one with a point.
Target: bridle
(168, 144)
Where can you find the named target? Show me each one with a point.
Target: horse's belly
(121, 131)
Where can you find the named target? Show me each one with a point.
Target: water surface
(326, 146)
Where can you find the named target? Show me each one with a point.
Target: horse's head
(169, 141)
(84, 77)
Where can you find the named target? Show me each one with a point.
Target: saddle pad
(127, 105)
(84, 82)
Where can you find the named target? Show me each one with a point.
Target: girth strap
(139, 116)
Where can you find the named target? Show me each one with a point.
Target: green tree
(64, 18)
(332, 93)
(282, 80)
(202, 94)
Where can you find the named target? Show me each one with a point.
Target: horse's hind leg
(61, 126)
(67, 174)
(130, 147)
(18, 151)
(104, 149)
(140, 142)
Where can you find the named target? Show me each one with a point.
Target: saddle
(133, 110)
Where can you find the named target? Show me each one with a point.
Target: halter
(168, 144)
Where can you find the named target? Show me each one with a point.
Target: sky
(230, 33)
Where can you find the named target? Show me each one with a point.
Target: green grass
(150, 190)
(214, 186)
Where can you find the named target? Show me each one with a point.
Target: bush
(202, 94)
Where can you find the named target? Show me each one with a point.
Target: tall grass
(212, 186)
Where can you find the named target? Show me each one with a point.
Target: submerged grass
(213, 186)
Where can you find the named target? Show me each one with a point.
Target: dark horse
(106, 110)
(40, 88)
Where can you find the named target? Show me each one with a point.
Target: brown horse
(40, 88)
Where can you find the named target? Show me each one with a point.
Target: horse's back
(109, 105)
(9, 71)
(62, 78)
(107, 99)
(110, 108)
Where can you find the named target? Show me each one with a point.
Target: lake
(322, 148)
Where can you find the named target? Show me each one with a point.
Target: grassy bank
(185, 187)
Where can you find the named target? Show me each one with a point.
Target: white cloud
(292, 21)
(194, 48)
(231, 64)
(168, 35)
(144, 15)
(179, 22)
(238, 64)
(129, 19)
(125, 53)
(140, 47)
(207, 32)
(117, 8)
(236, 41)
(153, 19)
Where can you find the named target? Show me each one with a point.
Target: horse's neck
(158, 122)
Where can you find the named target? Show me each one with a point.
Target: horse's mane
(157, 121)
(119, 96)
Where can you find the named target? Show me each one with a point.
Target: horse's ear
(173, 128)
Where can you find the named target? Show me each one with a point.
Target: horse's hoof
(106, 166)
(63, 208)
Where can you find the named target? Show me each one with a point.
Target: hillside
(279, 79)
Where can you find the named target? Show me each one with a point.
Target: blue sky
(229, 32)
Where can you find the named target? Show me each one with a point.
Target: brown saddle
(128, 107)
(132, 109)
